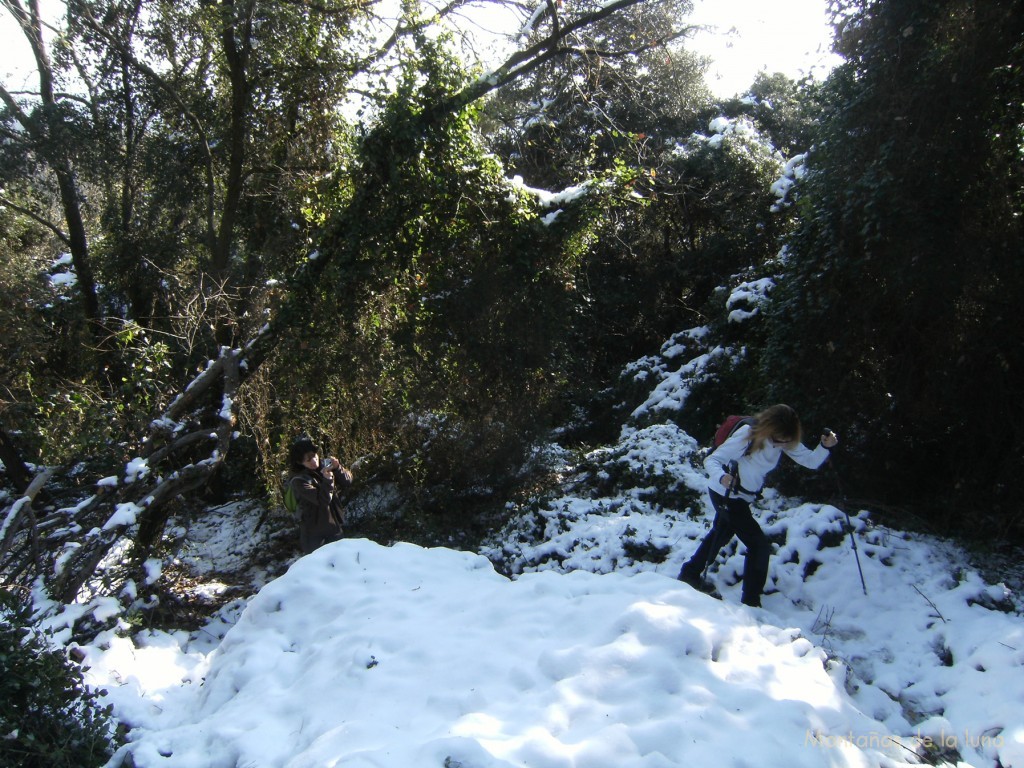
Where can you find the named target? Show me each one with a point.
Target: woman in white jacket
(737, 470)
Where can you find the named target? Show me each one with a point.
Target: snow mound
(363, 655)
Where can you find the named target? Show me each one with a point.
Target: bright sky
(744, 37)
(14, 51)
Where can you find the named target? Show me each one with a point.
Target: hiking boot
(694, 580)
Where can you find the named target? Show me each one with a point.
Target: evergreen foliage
(895, 315)
(700, 208)
(567, 120)
(442, 322)
(49, 718)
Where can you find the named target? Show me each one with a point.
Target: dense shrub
(48, 717)
(893, 317)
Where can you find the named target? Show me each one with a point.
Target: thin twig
(937, 611)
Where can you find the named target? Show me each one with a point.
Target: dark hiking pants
(733, 518)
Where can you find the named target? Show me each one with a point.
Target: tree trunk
(16, 470)
(46, 133)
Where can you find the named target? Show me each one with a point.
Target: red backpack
(730, 425)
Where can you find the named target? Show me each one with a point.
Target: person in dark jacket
(317, 487)
(736, 474)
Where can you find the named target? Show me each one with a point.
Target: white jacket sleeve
(805, 457)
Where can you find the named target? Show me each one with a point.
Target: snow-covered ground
(591, 654)
(363, 655)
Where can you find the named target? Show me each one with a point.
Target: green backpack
(291, 501)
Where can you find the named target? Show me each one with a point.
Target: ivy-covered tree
(896, 316)
(635, 85)
(702, 175)
(441, 328)
(785, 110)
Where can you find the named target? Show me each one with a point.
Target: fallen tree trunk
(19, 513)
(187, 444)
(142, 496)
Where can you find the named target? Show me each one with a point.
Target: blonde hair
(778, 423)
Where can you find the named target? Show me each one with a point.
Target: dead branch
(928, 600)
(19, 511)
(144, 501)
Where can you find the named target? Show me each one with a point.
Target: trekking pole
(716, 543)
(844, 505)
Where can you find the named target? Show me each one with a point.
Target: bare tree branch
(38, 218)
(550, 47)
(21, 509)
